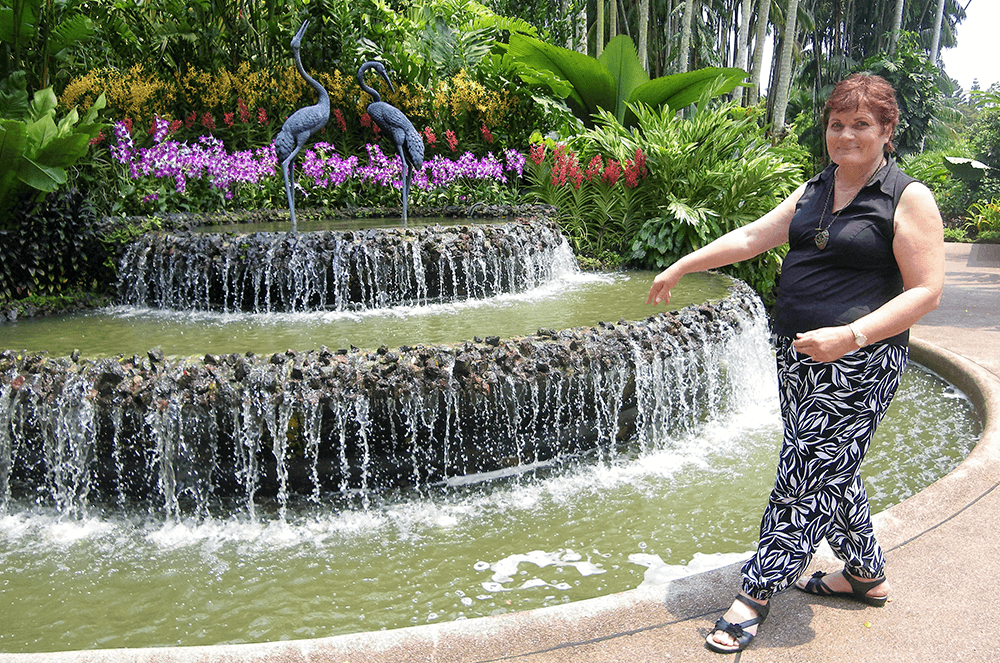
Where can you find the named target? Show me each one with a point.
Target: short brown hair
(863, 89)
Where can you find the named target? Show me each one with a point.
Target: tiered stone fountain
(345, 422)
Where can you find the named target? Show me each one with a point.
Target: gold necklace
(822, 236)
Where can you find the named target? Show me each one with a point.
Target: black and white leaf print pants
(829, 412)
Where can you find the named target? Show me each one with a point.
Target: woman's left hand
(826, 343)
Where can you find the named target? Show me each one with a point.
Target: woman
(865, 262)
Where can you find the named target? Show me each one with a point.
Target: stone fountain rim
(545, 629)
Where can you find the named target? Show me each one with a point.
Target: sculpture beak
(385, 75)
(297, 39)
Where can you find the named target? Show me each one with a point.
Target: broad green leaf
(14, 96)
(28, 22)
(44, 102)
(622, 60)
(37, 176)
(89, 122)
(40, 132)
(13, 139)
(66, 125)
(678, 91)
(593, 86)
(63, 151)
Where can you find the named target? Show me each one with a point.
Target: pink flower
(487, 135)
(429, 136)
(227, 119)
(244, 112)
(261, 116)
(449, 136)
(537, 153)
(339, 119)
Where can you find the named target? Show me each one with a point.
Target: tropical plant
(601, 200)
(35, 150)
(613, 81)
(914, 78)
(35, 34)
(986, 216)
(53, 247)
(709, 174)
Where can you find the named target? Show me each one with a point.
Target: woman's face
(855, 138)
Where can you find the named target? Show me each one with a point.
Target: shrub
(706, 176)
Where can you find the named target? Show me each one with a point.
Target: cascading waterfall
(343, 425)
(340, 271)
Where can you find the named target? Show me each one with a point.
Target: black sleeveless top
(857, 272)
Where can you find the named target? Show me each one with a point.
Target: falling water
(338, 270)
(342, 425)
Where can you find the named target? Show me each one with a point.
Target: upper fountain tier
(339, 270)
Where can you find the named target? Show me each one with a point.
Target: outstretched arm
(767, 232)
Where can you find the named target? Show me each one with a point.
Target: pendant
(822, 238)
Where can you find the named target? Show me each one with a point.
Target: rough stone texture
(329, 421)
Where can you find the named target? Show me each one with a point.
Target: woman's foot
(873, 592)
(738, 626)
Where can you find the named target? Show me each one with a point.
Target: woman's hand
(664, 282)
(826, 344)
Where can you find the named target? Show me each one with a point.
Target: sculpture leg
(406, 183)
(286, 173)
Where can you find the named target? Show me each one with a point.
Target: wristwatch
(859, 338)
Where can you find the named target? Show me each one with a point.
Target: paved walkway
(942, 546)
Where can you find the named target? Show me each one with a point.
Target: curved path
(941, 546)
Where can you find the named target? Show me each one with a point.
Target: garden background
(651, 126)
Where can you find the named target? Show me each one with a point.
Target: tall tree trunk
(644, 33)
(613, 20)
(897, 25)
(685, 54)
(936, 40)
(581, 26)
(763, 16)
(783, 83)
(599, 29)
(743, 41)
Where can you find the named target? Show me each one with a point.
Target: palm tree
(936, 40)
(897, 25)
(644, 33)
(685, 53)
(763, 15)
(785, 68)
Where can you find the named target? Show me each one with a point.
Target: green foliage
(35, 150)
(614, 81)
(708, 175)
(53, 247)
(914, 78)
(984, 137)
(986, 216)
(35, 34)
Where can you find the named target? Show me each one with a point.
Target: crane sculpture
(300, 125)
(396, 126)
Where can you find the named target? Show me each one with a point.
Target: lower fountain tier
(186, 432)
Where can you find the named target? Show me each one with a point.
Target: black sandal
(737, 630)
(859, 588)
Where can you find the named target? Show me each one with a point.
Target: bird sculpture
(396, 126)
(300, 125)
